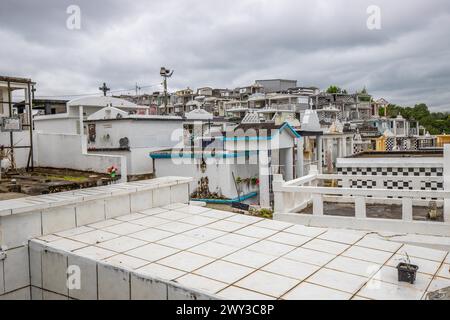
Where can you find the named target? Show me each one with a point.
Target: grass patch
(68, 178)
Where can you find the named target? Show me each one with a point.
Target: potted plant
(407, 271)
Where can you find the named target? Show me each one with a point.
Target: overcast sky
(231, 43)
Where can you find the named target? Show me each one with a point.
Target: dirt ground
(223, 207)
(373, 211)
(21, 183)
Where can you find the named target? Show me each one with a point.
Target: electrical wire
(97, 93)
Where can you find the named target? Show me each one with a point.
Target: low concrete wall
(219, 175)
(99, 281)
(369, 224)
(30, 217)
(138, 161)
(64, 151)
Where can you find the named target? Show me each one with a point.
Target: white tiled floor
(152, 252)
(390, 274)
(380, 290)
(224, 271)
(121, 244)
(249, 258)
(326, 246)
(161, 271)
(235, 293)
(291, 268)
(354, 266)
(267, 283)
(366, 254)
(444, 271)
(337, 280)
(94, 237)
(289, 238)
(213, 249)
(186, 261)
(309, 291)
(310, 256)
(383, 245)
(343, 236)
(242, 257)
(425, 266)
(202, 283)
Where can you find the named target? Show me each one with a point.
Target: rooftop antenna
(165, 73)
(104, 88)
(138, 89)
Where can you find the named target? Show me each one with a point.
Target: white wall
(140, 133)
(138, 159)
(64, 151)
(57, 124)
(424, 162)
(219, 175)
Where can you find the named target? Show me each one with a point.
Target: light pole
(165, 73)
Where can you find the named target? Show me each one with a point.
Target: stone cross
(104, 88)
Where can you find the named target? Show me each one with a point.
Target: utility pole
(165, 73)
(138, 89)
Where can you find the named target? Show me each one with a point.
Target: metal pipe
(30, 117)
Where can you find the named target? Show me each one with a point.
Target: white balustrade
(295, 195)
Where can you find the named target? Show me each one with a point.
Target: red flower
(111, 169)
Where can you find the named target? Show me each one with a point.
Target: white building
(115, 132)
(60, 140)
(251, 152)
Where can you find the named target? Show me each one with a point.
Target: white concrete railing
(295, 195)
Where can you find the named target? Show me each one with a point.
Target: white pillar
(317, 204)
(338, 147)
(82, 136)
(278, 199)
(447, 182)
(289, 164)
(407, 209)
(299, 165)
(264, 190)
(360, 207)
(344, 146)
(319, 153)
(352, 146)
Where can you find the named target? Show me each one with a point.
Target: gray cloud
(231, 43)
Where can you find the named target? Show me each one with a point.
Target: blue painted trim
(228, 201)
(207, 154)
(247, 138)
(261, 138)
(296, 134)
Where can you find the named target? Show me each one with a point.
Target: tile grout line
(435, 275)
(372, 277)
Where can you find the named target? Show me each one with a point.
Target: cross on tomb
(104, 88)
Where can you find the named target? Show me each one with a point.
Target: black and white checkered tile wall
(405, 184)
(403, 143)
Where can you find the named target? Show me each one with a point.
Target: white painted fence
(293, 196)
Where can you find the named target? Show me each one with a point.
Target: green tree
(434, 122)
(334, 89)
